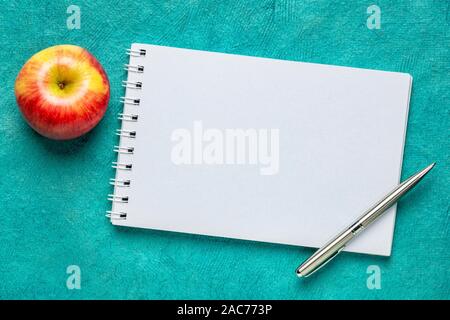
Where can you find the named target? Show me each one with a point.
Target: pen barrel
(325, 254)
(338, 243)
(392, 197)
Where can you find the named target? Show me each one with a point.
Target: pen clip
(326, 262)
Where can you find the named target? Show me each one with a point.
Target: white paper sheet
(340, 130)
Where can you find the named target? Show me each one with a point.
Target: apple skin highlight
(62, 92)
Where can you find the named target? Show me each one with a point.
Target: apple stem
(61, 85)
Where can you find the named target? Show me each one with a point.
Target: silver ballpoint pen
(338, 243)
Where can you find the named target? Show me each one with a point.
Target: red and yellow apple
(62, 92)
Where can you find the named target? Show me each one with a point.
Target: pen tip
(430, 167)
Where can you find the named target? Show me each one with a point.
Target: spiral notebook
(255, 148)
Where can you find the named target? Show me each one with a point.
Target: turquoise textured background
(53, 194)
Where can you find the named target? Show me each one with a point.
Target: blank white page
(341, 139)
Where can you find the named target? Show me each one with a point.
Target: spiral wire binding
(112, 197)
(132, 101)
(124, 150)
(128, 117)
(132, 85)
(136, 53)
(125, 135)
(132, 68)
(122, 166)
(116, 215)
(119, 183)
